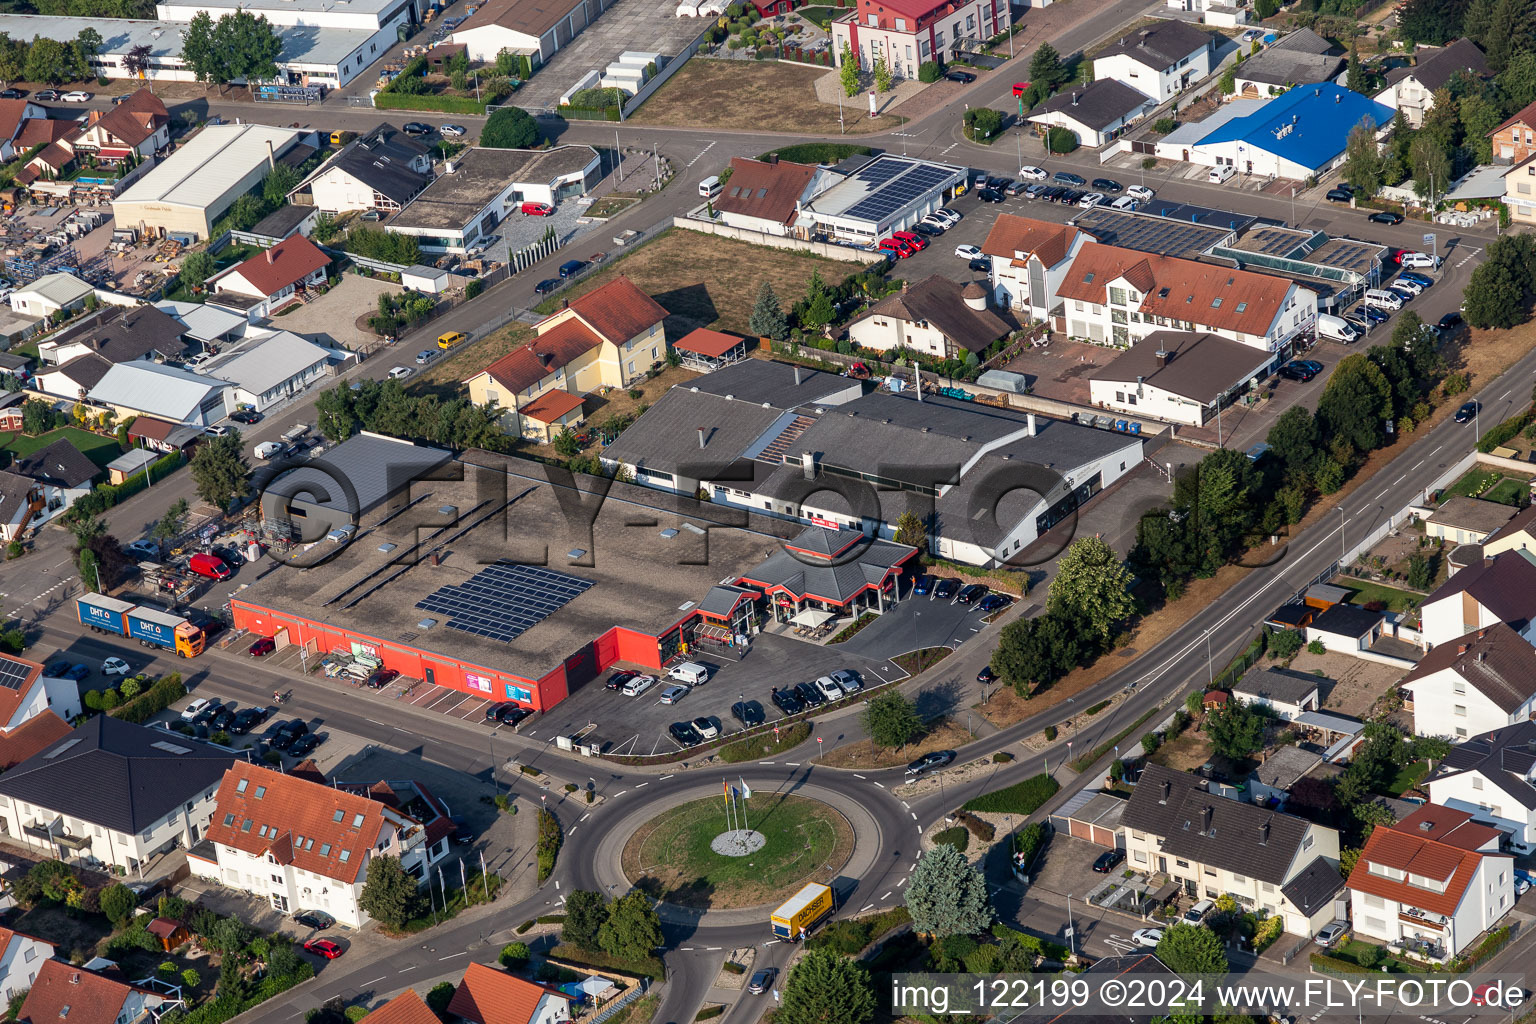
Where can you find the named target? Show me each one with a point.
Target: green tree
(1503, 28)
(827, 988)
(911, 531)
(929, 71)
(1236, 730)
(1493, 297)
(438, 998)
(946, 896)
(1266, 8)
(848, 70)
(1092, 583)
(515, 956)
(199, 51)
(633, 928)
(1293, 440)
(36, 417)
(1285, 643)
(277, 183)
(389, 894)
(1435, 22)
(117, 903)
(1518, 81)
(13, 57)
(768, 319)
(1355, 404)
(197, 267)
(89, 43)
(220, 471)
(510, 128)
(585, 913)
(1431, 167)
(1363, 162)
(48, 60)
(566, 443)
(1356, 78)
(246, 47)
(1481, 116)
(1057, 140)
(882, 73)
(1228, 81)
(1046, 69)
(891, 720)
(173, 522)
(1191, 949)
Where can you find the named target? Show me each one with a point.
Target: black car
(502, 711)
(999, 183)
(926, 229)
(989, 195)
(12, 94)
(1069, 178)
(963, 77)
(1107, 185)
(618, 679)
(462, 833)
(994, 602)
(304, 745)
(245, 721)
(986, 676)
(685, 734)
(930, 762)
(946, 588)
(1339, 195)
(223, 719)
(315, 919)
(1107, 861)
(1296, 371)
(748, 713)
(546, 286)
(974, 592)
(812, 697)
(47, 96)
(206, 715)
(1386, 217)
(1467, 412)
(231, 557)
(245, 416)
(571, 267)
(416, 128)
(979, 263)
(786, 700)
(1451, 322)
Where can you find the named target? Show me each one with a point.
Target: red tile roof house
(1030, 258)
(290, 267)
(766, 195)
(65, 994)
(305, 845)
(489, 996)
(1434, 881)
(139, 125)
(21, 958)
(25, 693)
(405, 1008)
(13, 113)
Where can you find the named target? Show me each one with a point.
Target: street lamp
(1210, 677)
(1343, 520)
(491, 738)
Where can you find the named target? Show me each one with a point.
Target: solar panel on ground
(13, 674)
(504, 601)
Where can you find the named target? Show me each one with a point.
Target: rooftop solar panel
(503, 601)
(13, 674)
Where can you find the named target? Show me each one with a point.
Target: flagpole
(729, 825)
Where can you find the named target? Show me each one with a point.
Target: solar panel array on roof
(1150, 234)
(1270, 242)
(504, 601)
(13, 674)
(897, 183)
(1347, 254)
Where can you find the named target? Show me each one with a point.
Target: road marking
(452, 956)
(1398, 481)
(404, 969)
(642, 785)
(620, 793)
(711, 949)
(771, 942)
(557, 883)
(584, 817)
(381, 977)
(906, 805)
(664, 778)
(572, 832)
(766, 762)
(887, 895)
(793, 764)
(857, 775)
(861, 910)
(706, 149)
(914, 815)
(686, 949)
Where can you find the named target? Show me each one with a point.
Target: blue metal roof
(1307, 125)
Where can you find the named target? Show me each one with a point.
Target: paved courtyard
(332, 318)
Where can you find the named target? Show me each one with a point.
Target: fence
(524, 258)
(827, 249)
(630, 995)
(633, 103)
(371, 263)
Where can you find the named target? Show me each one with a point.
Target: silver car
(673, 694)
(1331, 933)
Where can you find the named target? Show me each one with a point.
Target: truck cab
(189, 640)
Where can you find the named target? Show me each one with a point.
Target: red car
(1398, 254)
(323, 947)
(916, 241)
(1019, 88)
(537, 209)
(897, 246)
(262, 647)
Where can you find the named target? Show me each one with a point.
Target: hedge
(816, 152)
(590, 113)
(709, 1012)
(1085, 762)
(161, 694)
(958, 837)
(1020, 798)
(649, 967)
(217, 1011)
(1029, 842)
(1040, 947)
(852, 934)
(550, 838)
(445, 104)
(104, 496)
(1505, 431)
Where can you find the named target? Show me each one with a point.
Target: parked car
(1403, 284)
(146, 549)
(638, 685)
(993, 602)
(1374, 315)
(400, 372)
(305, 745)
(571, 267)
(617, 680)
(917, 242)
(1108, 185)
(216, 430)
(205, 716)
(1331, 933)
(808, 693)
(323, 947)
(263, 646)
(989, 195)
(1196, 913)
(973, 592)
(706, 727)
(47, 96)
(546, 286)
(829, 688)
(685, 734)
(762, 980)
(1385, 217)
(12, 94)
(748, 713)
(1450, 322)
(381, 677)
(674, 693)
(1340, 195)
(895, 245)
(1067, 177)
(1147, 938)
(451, 131)
(222, 719)
(948, 216)
(532, 209)
(316, 919)
(1091, 200)
(786, 700)
(930, 762)
(1467, 412)
(245, 416)
(1032, 173)
(1015, 188)
(928, 229)
(76, 96)
(416, 128)
(462, 833)
(1107, 861)
(968, 252)
(1140, 192)
(1296, 370)
(986, 676)
(848, 679)
(946, 588)
(188, 713)
(963, 77)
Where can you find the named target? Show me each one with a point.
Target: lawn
(1406, 778)
(1363, 592)
(100, 450)
(471, 359)
(1508, 491)
(819, 16)
(713, 94)
(1490, 485)
(670, 855)
(707, 281)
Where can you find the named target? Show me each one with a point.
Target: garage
(1094, 817)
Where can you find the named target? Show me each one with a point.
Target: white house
(150, 791)
(1433, 883)
(300, 843)
(21, 957)
(380, 170)
(1500, 590)
(1288, 694)
(275, 275)
(1476, 684)
(767, 195)
(25, 692)
(489, 996)
(1095, 113)
(265, 371)
(1119, 296)
(1177, 376)
(164, 392)
(1300, 133)
(1030, 258)
(51, 293)
(1209, 845)
(1493, 777)
(62, 474)
(1345, 628)
(936, 316)
(1411, 90)
(1463, 520)
(1159, 61)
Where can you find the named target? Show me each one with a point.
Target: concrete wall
(835, 252)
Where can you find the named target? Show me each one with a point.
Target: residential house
(1095, 113)
(21, 958)
(379, 170)
(1475, 684)
(136, 128)
(1210, 845)
(1270, 783)
(51, 293)
(1520, 190)
(292, 266)
(26, 692)
(43, 131)
(299, 843)
(1492, 776)
(555, 411)
(1160, 60)
(165, 392)
(113, 794)
(1500, 590)
(405, 1008)
(64, 991)
(31, 737)
(14, 364)
(1514, 141)
(1345, 628)
(1120, 296)
(766, 195)
(74, 379)
(908, 32)
(1302, 56)
(611, 336)
(13, 113)
(61, 471)
(1462, 520)
(20, 499)
(1517, 534)
(1287, 693)
(1432, 883)
(1177, 376)
(273, 369)
(1030, 259)
(119, 334)
(11, 415)
(50, 163)
(1411, 90)
(935, 316)
(489, 996)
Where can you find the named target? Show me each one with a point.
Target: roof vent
(426, 623)
(1426, 826)
(386, 548)
(668, 533)
(447, 510)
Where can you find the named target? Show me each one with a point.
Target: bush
(1030, 840)
(958, 837)
(514, 956)
(732, 967)
(816, 153)
(1021, 798)
(929, 71)
(165, 692)
(1150, 742)
(980, 829)
(850, 935)
(510, 128)
(1164, 125)
(1002, 757)
(1061, 140)
(1050, 733)
(709, 1012)
(474, 288)
(1316, 646)
(550, 839)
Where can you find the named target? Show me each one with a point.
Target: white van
(1196, 913)
(1337, 328)
(1221, 174)
(1383, 299)
(690, 672)
(711, 187)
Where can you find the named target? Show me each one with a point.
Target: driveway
(332, 317)
(915, 623)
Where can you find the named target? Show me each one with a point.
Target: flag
(746, 790)
(727, 787)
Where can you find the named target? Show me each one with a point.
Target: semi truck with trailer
(151, 627)
(803, 911)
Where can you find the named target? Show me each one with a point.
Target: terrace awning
(812, 617)
(710, 631)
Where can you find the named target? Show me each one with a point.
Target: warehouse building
(1297, 135)
(185, 194)
(887, 194)
(532, 28)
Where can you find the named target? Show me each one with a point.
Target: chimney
(1264, 833)
(1029, 418)
(270, 257)
(565, 303)
(437, 557)
(547, 358)
(1163, 358)
(1482, 633)
(1205, 818)
(1167, 789)
(1461, 648)
(808, 465)
(701, 437)
(1482, 656)
(797, 375)
(271, 156)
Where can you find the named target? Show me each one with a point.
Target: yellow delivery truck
(803, 911)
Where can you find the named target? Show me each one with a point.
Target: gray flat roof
(1147, 232)
(375, 467)
(480, 175)
(306, 44)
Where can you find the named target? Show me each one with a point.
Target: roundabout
(690, 856)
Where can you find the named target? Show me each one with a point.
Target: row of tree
(49, 60)
(240, 46)
(387, 408)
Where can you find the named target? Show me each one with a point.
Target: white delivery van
(690, 672)
(1383, 299)
(710, 187)
(1337, 328)
(1221, 174)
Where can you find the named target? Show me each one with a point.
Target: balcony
(1421, 919)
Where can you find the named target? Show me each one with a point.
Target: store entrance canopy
(812, 617)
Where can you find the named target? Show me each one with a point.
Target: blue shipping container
(154, 632)
(102, 618)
